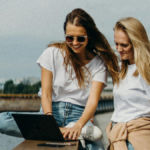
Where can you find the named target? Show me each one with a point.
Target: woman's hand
(72, 133)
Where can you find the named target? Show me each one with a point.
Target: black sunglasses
(80, 39)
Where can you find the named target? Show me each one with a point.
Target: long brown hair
(136, 32)
(97, 42)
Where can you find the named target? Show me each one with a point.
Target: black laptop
(39, 127)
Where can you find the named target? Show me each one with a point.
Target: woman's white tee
(65, 88)
(131, 98)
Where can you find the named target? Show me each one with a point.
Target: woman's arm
(89, 111)
(46, 81)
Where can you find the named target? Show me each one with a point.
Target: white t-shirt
(64, 88)
(131, 98)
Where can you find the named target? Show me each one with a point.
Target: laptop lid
(38, 127)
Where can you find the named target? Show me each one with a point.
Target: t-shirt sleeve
(100, 73)
(46, 59)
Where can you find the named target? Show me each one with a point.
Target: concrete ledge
(19, 104)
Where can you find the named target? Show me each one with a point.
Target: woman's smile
(76, 47)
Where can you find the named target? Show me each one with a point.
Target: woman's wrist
(49, 113)
(79, 124)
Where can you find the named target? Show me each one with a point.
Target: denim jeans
(129, 145)
(63, 112)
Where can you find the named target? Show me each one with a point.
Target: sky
(28, 26)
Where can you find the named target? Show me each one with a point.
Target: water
(9, 142)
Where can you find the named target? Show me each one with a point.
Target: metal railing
(105, 106)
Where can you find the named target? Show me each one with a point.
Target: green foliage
(21, 88)
(1, 91)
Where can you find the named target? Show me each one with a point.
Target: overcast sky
(28, 26)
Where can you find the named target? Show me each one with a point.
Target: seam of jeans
(64, 115)
(69, 108)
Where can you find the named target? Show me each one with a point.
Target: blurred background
(28, 26)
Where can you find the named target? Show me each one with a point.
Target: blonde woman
(130, 126)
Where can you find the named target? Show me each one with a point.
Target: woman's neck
(85, 57)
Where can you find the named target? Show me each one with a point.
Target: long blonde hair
(141, 47)
(96, 42)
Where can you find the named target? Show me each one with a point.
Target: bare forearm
(87, 114)
(46, 104)
(46, 98)
(92, 103)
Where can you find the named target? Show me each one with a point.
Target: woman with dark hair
(130, 126)
(73, 75)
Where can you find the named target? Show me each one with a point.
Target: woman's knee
(5, 120)
(8, 125)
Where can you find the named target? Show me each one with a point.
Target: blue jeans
(63, 112)
(129, 145)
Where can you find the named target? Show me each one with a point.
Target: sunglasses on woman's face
(70, 38)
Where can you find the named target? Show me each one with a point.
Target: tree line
(21, 88)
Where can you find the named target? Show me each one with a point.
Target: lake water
(9, 142)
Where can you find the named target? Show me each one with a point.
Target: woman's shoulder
(51, 53)
(98, 70)
(54, 51)
(50, 57)
(97, 63)
(98, 60)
